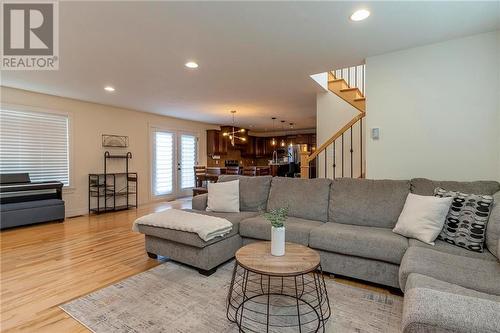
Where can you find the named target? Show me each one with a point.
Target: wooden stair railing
(331, 146)
(309, 161)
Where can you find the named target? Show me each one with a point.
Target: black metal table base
(264, 303)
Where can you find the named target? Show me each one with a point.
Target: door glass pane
(163, 172)
(188, 160)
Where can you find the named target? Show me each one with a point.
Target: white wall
(89, 122)
(332, 113)
(438, 110)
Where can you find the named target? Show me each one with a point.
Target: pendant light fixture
(273, 141)
(233, 134)
(291, 129)
(282, 143)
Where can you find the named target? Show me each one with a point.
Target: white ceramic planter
(278, 241)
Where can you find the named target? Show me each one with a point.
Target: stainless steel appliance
(231, 163)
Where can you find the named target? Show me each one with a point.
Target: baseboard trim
(76, 212)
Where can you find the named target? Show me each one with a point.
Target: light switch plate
(375, 133)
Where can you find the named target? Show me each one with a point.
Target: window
(35, 142)
(188, 160)
(163, 163)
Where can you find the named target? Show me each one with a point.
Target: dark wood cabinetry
(254, 147)
(216, 143)
(248, 150)
(260, 147)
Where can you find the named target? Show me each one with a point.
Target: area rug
(175, 298)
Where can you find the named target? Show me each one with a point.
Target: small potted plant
(277, 217)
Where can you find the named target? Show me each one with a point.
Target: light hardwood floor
(45, 265)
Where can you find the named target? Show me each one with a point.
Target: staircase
(342, 155)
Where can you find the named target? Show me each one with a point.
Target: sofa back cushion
(305, 198)
(366, 202)
(423, 186)
(253, 191)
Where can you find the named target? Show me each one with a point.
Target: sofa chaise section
(472, 273)
(190, 249)
(190, 238)
(205, 259)
(432, 305)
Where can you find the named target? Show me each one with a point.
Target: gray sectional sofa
(349, 222)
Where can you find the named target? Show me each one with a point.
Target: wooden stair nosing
(350, 89)
(337, 80)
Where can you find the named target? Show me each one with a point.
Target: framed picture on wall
(115, 141)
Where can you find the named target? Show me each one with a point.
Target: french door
(175, 153)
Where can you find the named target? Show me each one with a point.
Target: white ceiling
(255, 57)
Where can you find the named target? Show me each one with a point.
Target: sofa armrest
(493, 227)
(200, 201)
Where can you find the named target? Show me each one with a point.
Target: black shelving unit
(105, 188)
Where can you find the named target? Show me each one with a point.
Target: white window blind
(163, 163)
(188, 160)
(36, 143)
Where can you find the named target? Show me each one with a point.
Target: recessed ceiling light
(109, 88)
(360, 15)
(191, 64)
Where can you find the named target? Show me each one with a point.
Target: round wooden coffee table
(278, 294)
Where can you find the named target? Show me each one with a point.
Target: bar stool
(199, 174)
(250, 171)
(232, 170)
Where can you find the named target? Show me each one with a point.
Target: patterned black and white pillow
(465, 224)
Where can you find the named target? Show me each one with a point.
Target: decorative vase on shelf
(278, 241)
(277, 217)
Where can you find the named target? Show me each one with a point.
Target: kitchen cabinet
(260, 147)
(302, 139)
(312, 139)
(248, 149)
(254, 146)
(216, 143)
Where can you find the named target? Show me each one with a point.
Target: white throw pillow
(423, 217)
(224, 197)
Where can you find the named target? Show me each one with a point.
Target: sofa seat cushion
(472, 273)
(423, 186)
(253, 191)
(305, 198)
(366, 202)
(296, 229)
(191, 238)
(443, 246)
(431, 305)
(366, 242)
